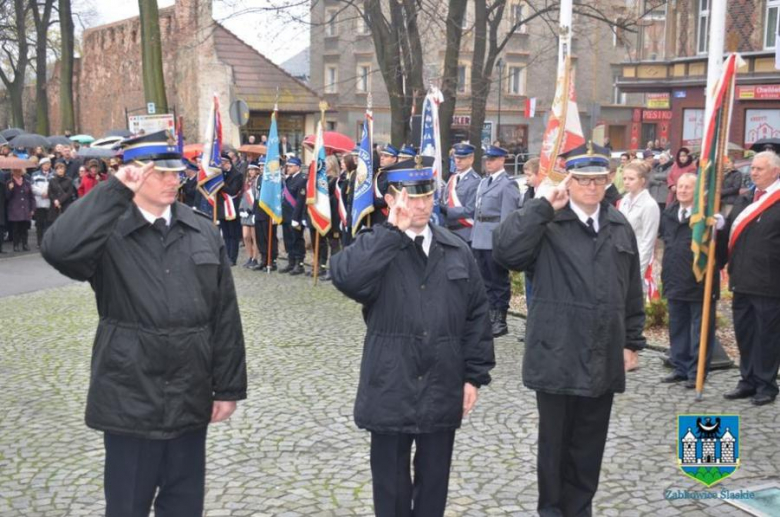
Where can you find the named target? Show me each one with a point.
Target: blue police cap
(415, 175)
(407, 151)
(191, 165)
(154, 147)
(261, 160)
(587, 159)
(390, 150)
(493, 151)
(463, 149)
(294, 160)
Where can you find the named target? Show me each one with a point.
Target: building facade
(671, 74)
(344, 70)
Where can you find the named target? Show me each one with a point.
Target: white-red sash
(230, 208)
(454, 201)
(342, 208)
(753, 212)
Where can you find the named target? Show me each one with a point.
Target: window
(517, 13)
(516, 80)
(772, 17)
(617, 96)
(331, 79)
(360, 25)
(330, 23)
(703, 29)
(363, 77)
(330, 125)
(463, 79)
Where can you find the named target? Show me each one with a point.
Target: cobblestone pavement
(292, 448)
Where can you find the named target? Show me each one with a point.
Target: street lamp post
(500, 64)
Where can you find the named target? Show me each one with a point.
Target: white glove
(720, 222)
(295, 224)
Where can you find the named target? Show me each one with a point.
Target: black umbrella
(124, 133)
(96, 152)
(60, 140)
(8, 134)
(30, 140)
(3, 141)
(766, 144)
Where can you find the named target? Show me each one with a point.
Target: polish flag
(530, 107)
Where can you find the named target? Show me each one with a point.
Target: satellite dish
(239, 112)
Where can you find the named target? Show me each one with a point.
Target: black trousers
(757, 328)
(139, 468)
(572, 435)
(395, 494)
(232, 235)
(261, 232)
(685, 334)
(41, 223)
(496, 279)
(293, 243)
(19, 230)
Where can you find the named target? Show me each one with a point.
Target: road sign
(151, 109)
(239, 112)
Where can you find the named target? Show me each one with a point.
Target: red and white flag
(530, 107)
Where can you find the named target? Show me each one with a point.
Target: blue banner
(363, 202)
(271, 187)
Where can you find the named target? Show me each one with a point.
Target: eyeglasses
(584, 181)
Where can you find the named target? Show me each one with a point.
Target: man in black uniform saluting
(428, 346)
(168, 357)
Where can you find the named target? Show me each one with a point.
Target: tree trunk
(67, 117)
(15, 86)
(151, 55)
(41, 20)
(449, 84)
(480, 85)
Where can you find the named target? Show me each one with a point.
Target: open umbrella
(192, 150)
(96, 152)
(59, 140)
(252, 149)
(3, 141)
(108, 142)
(30, 140)
(83, 139)
(12, 162)
(124, 133)
(11, 132)
(334, 142)
(766, 144)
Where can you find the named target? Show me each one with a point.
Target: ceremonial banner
(210, 178)
(430, 144)
(271, 187)
(363, 201)
(709, 178)
(317, 198)
(564, 130)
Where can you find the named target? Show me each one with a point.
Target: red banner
(635, 128)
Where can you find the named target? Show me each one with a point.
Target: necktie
(683, 215)
(418, 244)
(490, 180)
(757, 194)
(591, 228)
(160, 226)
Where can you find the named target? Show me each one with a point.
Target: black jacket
(612, 195)
(732, 183)
(754, 261)
(61, 188)
(677, 279)
(189, 190)
(296, 188)
(588, 303)
(234, 185)
(169, 341)
(428, 328)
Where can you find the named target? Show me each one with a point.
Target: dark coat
(754, 261)
(60, 188)
(189, 190)
(428, 328)
(677, 279)
(612, 195)
(233, 186)
(588, 303)
(20, 201)
(732, 183)
(169, 340)
(2, 204)
(296, 187)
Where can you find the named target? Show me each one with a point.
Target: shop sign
(461, 120)
(759, 92)
(693, 127)
(657, 101)
(761, 124)
(656, 115)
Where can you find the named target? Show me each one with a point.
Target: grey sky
(276, 34)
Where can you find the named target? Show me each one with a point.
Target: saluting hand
(559, 196)
(133, 177)
(400, 214)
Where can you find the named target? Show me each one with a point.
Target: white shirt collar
(496, 174)
(152, 218)
(582, 216)
(427, 237)
(684, 211)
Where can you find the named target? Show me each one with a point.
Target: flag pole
(270, 236)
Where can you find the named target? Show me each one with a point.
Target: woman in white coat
(641, 210)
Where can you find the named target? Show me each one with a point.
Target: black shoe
(16, 247)
(274, 267)
(690, 384)
(673, 377)
(762, 400)
(286, 269)
(25, 247)
(739, 393)
(248, 264)
(499, 325)
(297, 270)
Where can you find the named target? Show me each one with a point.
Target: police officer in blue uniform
(459, 198)
(497, 197)
(293, 205)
